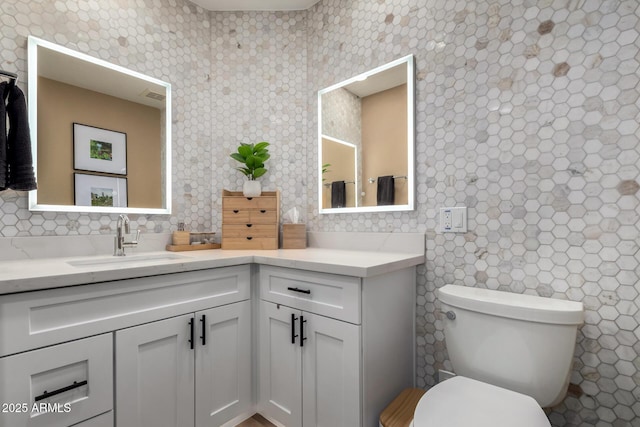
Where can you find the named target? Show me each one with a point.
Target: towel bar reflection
(373, 180)
(346, 182)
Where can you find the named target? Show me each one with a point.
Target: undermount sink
(129, 259)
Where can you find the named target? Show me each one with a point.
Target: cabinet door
(280, 370)
(223, 364)
(154, 374)
(331, 372)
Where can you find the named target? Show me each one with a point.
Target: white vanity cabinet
(333, 350)
(166, 367)
(139, 332)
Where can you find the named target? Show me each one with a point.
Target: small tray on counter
(201, 247)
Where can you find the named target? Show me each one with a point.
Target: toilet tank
(520, 342)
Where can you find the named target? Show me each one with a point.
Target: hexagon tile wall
(527, 113)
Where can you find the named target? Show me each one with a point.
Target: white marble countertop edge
(48, 273)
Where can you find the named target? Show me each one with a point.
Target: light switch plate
(453, 220)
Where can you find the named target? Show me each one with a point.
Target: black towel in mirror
(21, 176)
(4, 166)
(386, 190)
(338, 194)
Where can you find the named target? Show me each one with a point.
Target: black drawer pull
(249, 225)
(249, 198)
(302, 291)
(263, 211)
(249, 238)
(48, 394)
(236, 211)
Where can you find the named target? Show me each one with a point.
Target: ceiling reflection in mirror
(101, 134)
(366, 141)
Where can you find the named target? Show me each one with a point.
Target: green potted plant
(253, 158)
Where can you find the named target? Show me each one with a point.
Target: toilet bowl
(464, 402)
(512, 354)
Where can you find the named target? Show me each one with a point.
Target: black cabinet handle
(191, 333)
(249, 198)
(249, 238)
(203, 337)
(293, 328)
(302, 337)
(263, 211)
(302, 291)
(249, 225)
(46, 394)
(236, 211)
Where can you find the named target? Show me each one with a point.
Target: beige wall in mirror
(384, 143)
(60, 105)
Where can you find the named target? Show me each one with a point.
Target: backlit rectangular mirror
(101, 134)
(366, 141)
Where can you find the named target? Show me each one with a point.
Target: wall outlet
(453, 220)
(445, 216)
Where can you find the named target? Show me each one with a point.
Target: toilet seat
(463, 402)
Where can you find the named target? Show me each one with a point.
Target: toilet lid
(463, 402)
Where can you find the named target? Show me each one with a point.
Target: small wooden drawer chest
(250, 222)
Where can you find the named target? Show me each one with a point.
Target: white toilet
(512, 355)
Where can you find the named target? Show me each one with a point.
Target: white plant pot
(251, 189)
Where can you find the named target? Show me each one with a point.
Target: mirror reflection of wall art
(102, 191)
(99, 150)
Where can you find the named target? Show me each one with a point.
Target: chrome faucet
(122, 228)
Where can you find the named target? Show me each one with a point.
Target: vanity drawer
(36, 319)
(54, 379)
(241, 243)
(329, 295)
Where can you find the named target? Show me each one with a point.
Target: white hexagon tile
(527, 112)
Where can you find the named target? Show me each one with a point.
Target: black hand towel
(338, 194)
(21, 176)
(386, 190)
(4, 166)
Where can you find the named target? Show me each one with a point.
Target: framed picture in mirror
(99, 150)
(100, 191)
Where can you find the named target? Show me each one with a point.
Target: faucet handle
(137, 236)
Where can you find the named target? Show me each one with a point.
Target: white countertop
(47, 273)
